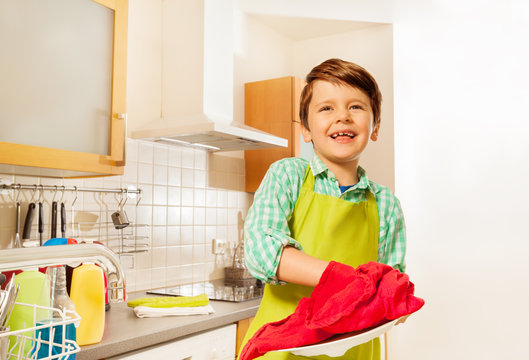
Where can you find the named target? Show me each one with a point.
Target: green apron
(328, 228)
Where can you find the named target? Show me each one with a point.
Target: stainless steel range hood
(197, 107)
(212, 136)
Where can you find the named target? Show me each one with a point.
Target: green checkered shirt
(266, 229)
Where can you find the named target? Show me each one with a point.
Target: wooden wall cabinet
(272, 106)
(22, 152)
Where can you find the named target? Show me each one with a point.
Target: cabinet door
(217, 344)
(62, 95)
(272, 106)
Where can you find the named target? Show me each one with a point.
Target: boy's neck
(347, 174)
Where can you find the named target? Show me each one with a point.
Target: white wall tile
(185, 274)
(188, 158)
(187, 215)
(173, 196)
(222, 216)
(160, 174)
(173, 216)
(211, 216)
(142, 260)
(186, 235)
(145, 173)
(130, 175)
(146, 194)
(199, 197)
(199, 272)
(159, 215)
(200, 160)
(159, 256)
(143, 279)
(210, 233)
(173, 255)
(174, 156)
(188, 177)
(199, 253)
(200, 178)
(199, 235)
(144, 214)
(232, 199)
(222, 198)
(211, 197)
(131, 151)
(187, 196)
(186, 254)
(160, 195)
(199, 216)
(161, 154)
(173, 235)
(174, 176)
(145, 152)
(158, 278)
(159, 236)
(172, 275)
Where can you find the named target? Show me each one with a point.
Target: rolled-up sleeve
(395, 239)
(266, 230)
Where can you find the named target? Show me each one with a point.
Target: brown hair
(342, 72)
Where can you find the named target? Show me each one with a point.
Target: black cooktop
(215, 290)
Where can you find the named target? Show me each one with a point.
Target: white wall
(461, 175)
(259, 53)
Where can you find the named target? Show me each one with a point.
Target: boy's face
(341, 123)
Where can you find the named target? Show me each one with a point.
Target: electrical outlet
(218, 246)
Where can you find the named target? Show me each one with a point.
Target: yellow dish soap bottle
(88, 295)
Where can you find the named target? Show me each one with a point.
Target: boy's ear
(374, 133)
(307, 137)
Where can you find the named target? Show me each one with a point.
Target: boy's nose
(344, 116)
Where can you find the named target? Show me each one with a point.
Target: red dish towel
(283, 334)
(345, 299)
(375, 293)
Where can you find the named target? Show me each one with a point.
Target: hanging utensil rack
(68, 188)
(122, 242)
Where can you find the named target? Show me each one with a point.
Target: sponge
(170, 301)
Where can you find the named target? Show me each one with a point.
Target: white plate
(339, 344)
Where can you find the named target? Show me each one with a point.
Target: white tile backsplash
(189, 197)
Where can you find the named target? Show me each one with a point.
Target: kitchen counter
(125, 332)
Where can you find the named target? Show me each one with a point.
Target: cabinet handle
(123, 116)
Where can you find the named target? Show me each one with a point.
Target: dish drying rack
(49, 345)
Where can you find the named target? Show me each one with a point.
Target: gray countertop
(125, 332)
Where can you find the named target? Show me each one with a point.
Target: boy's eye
(325, 108)
(356, 107)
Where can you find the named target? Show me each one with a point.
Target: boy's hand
(403, 320)
(372, 294)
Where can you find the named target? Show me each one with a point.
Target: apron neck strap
(308, 179)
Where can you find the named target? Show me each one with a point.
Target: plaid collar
(318, 167)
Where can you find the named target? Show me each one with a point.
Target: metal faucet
(29, 258)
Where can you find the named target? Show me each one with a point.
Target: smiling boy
(306, 214)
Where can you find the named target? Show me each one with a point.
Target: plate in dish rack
(339, 344)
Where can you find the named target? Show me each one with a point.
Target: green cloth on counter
(170, 301)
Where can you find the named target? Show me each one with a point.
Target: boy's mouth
(342, 134)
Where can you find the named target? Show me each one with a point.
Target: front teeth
(342, 134)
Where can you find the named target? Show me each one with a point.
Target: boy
(307, 214)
